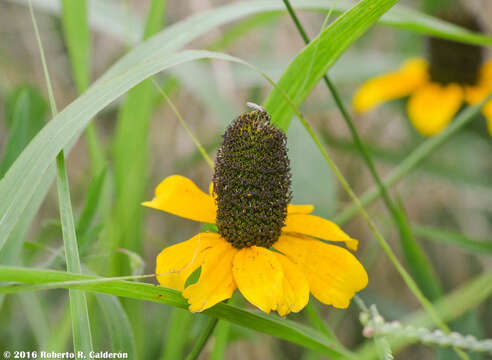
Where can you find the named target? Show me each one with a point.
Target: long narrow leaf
(272, 325)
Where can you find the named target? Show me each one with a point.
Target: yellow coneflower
(264, 247)
(437, 88)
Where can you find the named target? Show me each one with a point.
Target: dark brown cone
(453, 62)
(252, 181)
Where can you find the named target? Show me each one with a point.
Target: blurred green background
(137, 141)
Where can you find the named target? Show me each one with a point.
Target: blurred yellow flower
(432, 105)
(264, 247)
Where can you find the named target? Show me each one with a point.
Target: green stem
(202, 339)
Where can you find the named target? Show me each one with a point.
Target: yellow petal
(487, 112)
(259, 277)
(295, 285)
(216, 282)
(486, 73)
(299, 209)
(475, 94)
(180, 196)
(333, 273)
(397, 84)
(176, 263)
(433, 106)
(316, 226)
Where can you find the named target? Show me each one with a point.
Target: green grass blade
(474, 246)
(412, 20)
(222, 333)
(177, 333)
(120, 331)
(272, 325)
(90, 210)
(202, 339)
(110, 18)
(309, 66)
(155, 18)
(417, 260)
(82, 339)
(78, 40)
(26, 114)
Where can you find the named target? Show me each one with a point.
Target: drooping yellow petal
(333, 273)
(259, 277)
(216, 282)
(180, 196)
(397, 84)
(299, 209)
(177, 262)
(296, 287)
(316, 226)
(433, 106)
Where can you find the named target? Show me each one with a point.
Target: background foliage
(121, 138)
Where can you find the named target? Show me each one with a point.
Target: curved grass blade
(272, 325)
(312, 63)
(29, 170)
